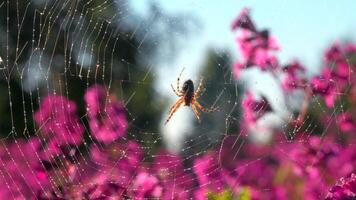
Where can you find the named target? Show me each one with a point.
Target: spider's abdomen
(188, 90)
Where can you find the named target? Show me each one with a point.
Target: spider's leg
(199, 89)
(177, 102)
(174, 108)
(196, 112)
(178, 79)
(204, 109)
(176, 92)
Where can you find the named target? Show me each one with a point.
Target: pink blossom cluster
(119, 168)
(303, 168)
(337, 76)
(335, 83)
(345, 189)
(106, 118)
(254, 108)
(336, 80)
(257, 46)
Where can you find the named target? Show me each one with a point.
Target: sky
(304, 29)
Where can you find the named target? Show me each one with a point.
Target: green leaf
(244, 194)
(224, 195)
(229, 195)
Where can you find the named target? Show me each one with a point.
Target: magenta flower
(313, 152)
(334, 53)
(21, 174)
(169, 169)
(324, 86)
(146, 186)
(264, 59)
(338, 74)
(107, 120)
(237, 68)
(167, 166)
(338, 66)
(246, 44)
(201, 193)
(103, 191)
(345, 122)
(115, 163)
(110, 124)
(291, 82)
(256, 47)
(264, 168)
(350, 49)
(321, 84)
(227, 152)
(95, 97)
(208, 172)
(293, 76)
(111, 166)
(243, 20)
(344, 189)
(254, 109)
(172, 191)
(58, 120)
(342, 71)
(51, 150)
(126, 155)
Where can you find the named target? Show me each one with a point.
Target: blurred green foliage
(222, 91)
(228, 195)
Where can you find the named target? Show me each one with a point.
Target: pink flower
(21, 170)
(344, 189)
(110, 125)
(264, 59)
(342, 70)
(324, 86)
(337, 74)
(102, 191)
(293, 76)
(146, 186)
(256, 47)
(116, 163)
(173, 191)
(167, 166)
(107, 120)
(201, 193)
(95, 97)
(169, 169)
(338, 65)
(208, 172)
(350, 48)
(238, 66)
(264, 169)
(334, 53)
(125, 155)
(58, 118)
(345, 122)
(227, 152)
(243, 21)
(254, 109)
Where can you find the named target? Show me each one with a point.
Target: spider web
(63, 47)
(66, 43)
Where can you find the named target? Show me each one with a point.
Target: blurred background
(137, 49)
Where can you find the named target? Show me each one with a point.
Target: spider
(188, 97)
